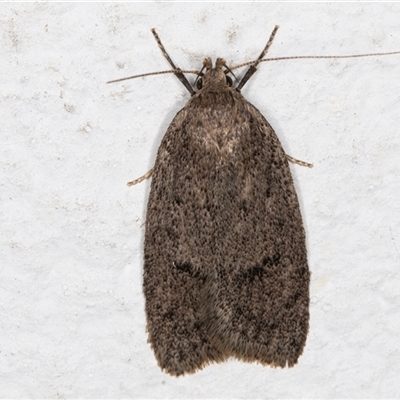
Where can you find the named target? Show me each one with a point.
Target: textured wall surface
(72, 320)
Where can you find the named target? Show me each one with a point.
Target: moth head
(214, 77)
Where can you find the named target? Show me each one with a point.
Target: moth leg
(253, 68)
(298, 162)
(142, 178)
(179, 75)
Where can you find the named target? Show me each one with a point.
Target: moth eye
(199, 83)
(229, 81)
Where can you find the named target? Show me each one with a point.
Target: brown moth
(225, 259)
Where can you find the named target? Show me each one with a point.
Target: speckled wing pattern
(225, 262)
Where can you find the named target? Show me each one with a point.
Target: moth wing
(258, 296)
(177, 241)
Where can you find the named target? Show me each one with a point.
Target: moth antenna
(147, 175)
(199, 75)
(305, 57)
(253, 65)
(230, 72)
(298, 162)
(178, 72)
(154, 73)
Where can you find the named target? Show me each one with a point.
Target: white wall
(72, 320)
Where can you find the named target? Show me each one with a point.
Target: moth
(225, 258)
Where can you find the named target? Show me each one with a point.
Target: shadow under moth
(225, 260)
